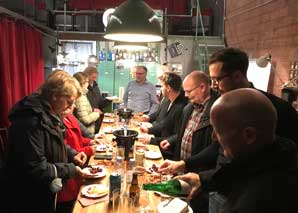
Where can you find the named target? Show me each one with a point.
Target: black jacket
(212, 158)
(201, 137)
(265, 182)
(95, 98)
(35, 144)
(168, 122)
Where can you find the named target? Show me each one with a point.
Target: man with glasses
(195, 131)
(228, 71)
(140, 95)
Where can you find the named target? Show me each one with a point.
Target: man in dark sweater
(168, 120)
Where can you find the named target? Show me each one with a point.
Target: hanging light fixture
(130, 46)
(134, 21)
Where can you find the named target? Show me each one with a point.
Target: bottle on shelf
(134, 189)
(177, 188)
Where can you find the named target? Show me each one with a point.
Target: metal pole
(203, 32)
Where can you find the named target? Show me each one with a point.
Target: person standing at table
(73, 137)
(140, 95)
(83, 110)
(195, 131)
(262, 175)
(168, 122)
(36, 149)
(97, 101)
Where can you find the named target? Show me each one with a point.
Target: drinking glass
(121, 151)
(144, 202)
(116, 202)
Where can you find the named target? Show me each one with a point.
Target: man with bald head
(262, 175)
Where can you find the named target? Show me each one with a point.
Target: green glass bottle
(177, 188)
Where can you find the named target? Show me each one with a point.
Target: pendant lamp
(130, 45)
(134, 21)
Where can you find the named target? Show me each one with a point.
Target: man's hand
(143, 129)
(144, 138)
(172, 167)
(99, 135)
(164, 144)
(80, 158)
(83, 174)
(97, 110)
(145, 118)
(193, 180)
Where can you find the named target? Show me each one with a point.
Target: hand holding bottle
(194, 182)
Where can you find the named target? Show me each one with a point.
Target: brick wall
(265, 26)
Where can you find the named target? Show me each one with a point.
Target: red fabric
(74, 136)
(74, 139)
(21, 64)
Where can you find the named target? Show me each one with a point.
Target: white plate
(108, 114)
(101, 148)
(160, 208)
(102, 190)
(152, 155)
(161, 194)
(108, 120)
(95, 175)
(108, 130)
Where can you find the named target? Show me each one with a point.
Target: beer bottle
(134, 189)
(177, 188)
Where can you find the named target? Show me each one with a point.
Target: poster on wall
(258, 76)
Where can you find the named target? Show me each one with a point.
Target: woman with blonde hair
(37, 154)
(83, 109)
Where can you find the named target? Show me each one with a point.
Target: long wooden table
(106, 206)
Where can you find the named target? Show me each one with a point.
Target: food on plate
(101, 148)
(97, 190)
(157, 177)
(108, 114)
(95, 169)
(175, 205)
(108, 120)
(153, 168)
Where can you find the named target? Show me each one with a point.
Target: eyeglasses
(219, 78)
(140, 73)
(189, 91)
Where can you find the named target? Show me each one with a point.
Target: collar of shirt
(201, 106)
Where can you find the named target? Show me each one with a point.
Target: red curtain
(174, 7)
(21, 64)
